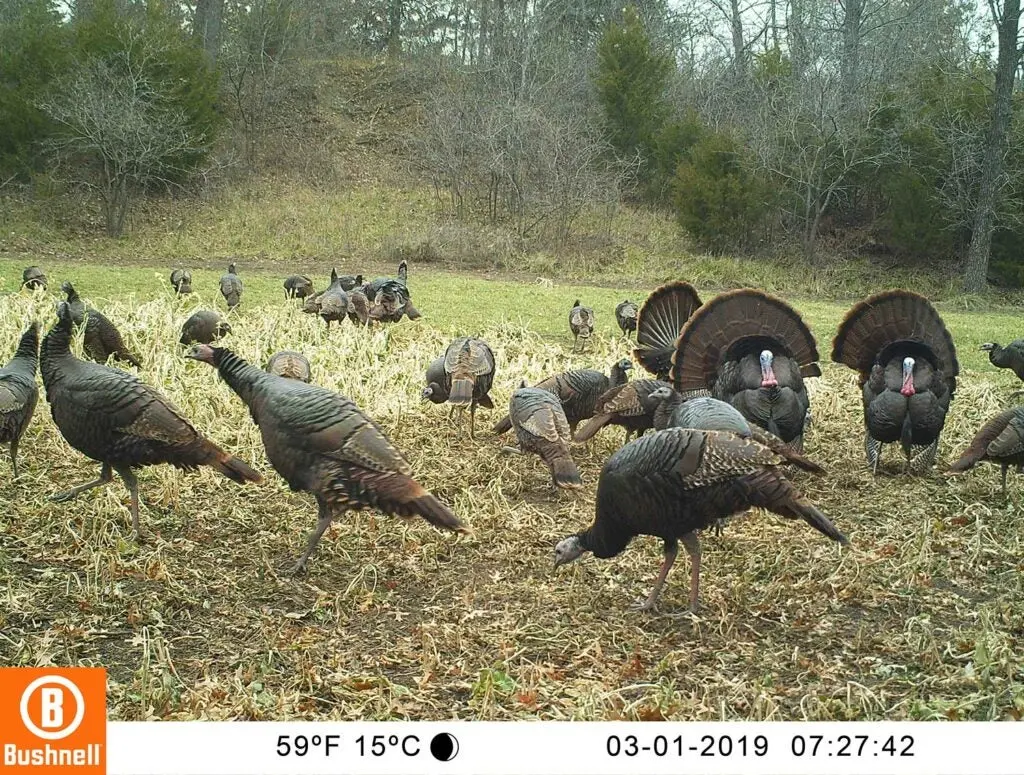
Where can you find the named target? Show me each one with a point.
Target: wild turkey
(753, 351)
(704, 413)
(231, 287)
(290, 364)
(658, 324)
(625, 316)
(204, 327)
(469, 372)
(333, 302)
(678, 481)
(578, 390)
(581, 323)
(33, 278)
(1009, 357)
(1000, 440)
(358, 308)
(628, 405)
(541, 429)
(438, 383)
(348, 281)
(116, 419)
(18, 392)
(321, 443)
(389, 298)
(102, 340)
(907, 363)
(181, 281)
(298, 286)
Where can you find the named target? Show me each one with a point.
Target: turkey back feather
(659, 322)
(890, 324)
(736, 324)
(1001, 438)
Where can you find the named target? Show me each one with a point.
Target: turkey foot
(512, 450)
(106, 476)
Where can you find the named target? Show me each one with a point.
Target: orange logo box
(53, 720)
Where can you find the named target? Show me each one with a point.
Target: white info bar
(564, 748)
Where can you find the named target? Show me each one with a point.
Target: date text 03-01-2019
(757, 745)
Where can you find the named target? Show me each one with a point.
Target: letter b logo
(53, 708)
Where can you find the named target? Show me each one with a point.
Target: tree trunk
(739, 48)
(991, 183)
(796, 37)
(851, 50)
(206, 27)
(394, 29)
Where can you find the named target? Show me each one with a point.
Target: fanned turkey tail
(770, 490)
(659, 322)
(893, 319)
(736, 324)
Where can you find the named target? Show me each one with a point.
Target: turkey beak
(987, 347)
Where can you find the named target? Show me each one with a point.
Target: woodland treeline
(888, 127)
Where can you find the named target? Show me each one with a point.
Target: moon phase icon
(444, 747)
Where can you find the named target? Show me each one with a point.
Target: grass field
(922, 618)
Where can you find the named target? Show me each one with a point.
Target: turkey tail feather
(437, 514)
(232, 467)
(735, 324)
(504, 425)
(462, 390)
(891, 317)
(659, 322)
(565, 473)
(591, 427)
(770, 490)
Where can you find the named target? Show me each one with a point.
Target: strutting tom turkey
(116, 419)
(321, 443)
(753, 351)
(904, 355)
(659, 322)
(678, 481)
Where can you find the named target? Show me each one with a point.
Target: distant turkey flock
(725, 400)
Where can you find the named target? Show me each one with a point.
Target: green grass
(921, 618)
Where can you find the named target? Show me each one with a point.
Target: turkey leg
(106, 475)
(324, 518)
(14, 462)
(132, 483)
(671, 551)
(692, 544)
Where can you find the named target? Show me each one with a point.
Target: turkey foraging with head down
(1010, 357)
(231, 287)
(1000, 440)
(116, 419)
(628, 405)
(102, 339)
(753, 351)
(204, 327)
(659, 322)
(438, 383)
(579, 391)
(907, 364)
(678, 481)
(298, 286)
(33, 278)
(541, 429)
(181, 281)
(581, 323)
(18, 392)
(625, 315)
(320, 442)
(290, 364)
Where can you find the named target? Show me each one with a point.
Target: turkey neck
(241, 376)
(56, 349)
(28, 347)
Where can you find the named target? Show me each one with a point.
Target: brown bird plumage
(18, 392)
(675, 482)
(541, 429)
(1000, 440)
(626, 405)
(321, 443)
(658, 324)
(102, 340)
(581, 323)
(116, 419)
(469, 370)
(290, 364)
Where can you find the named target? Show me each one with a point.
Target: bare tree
(991, 181)
(116, 136)
(206, 26)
